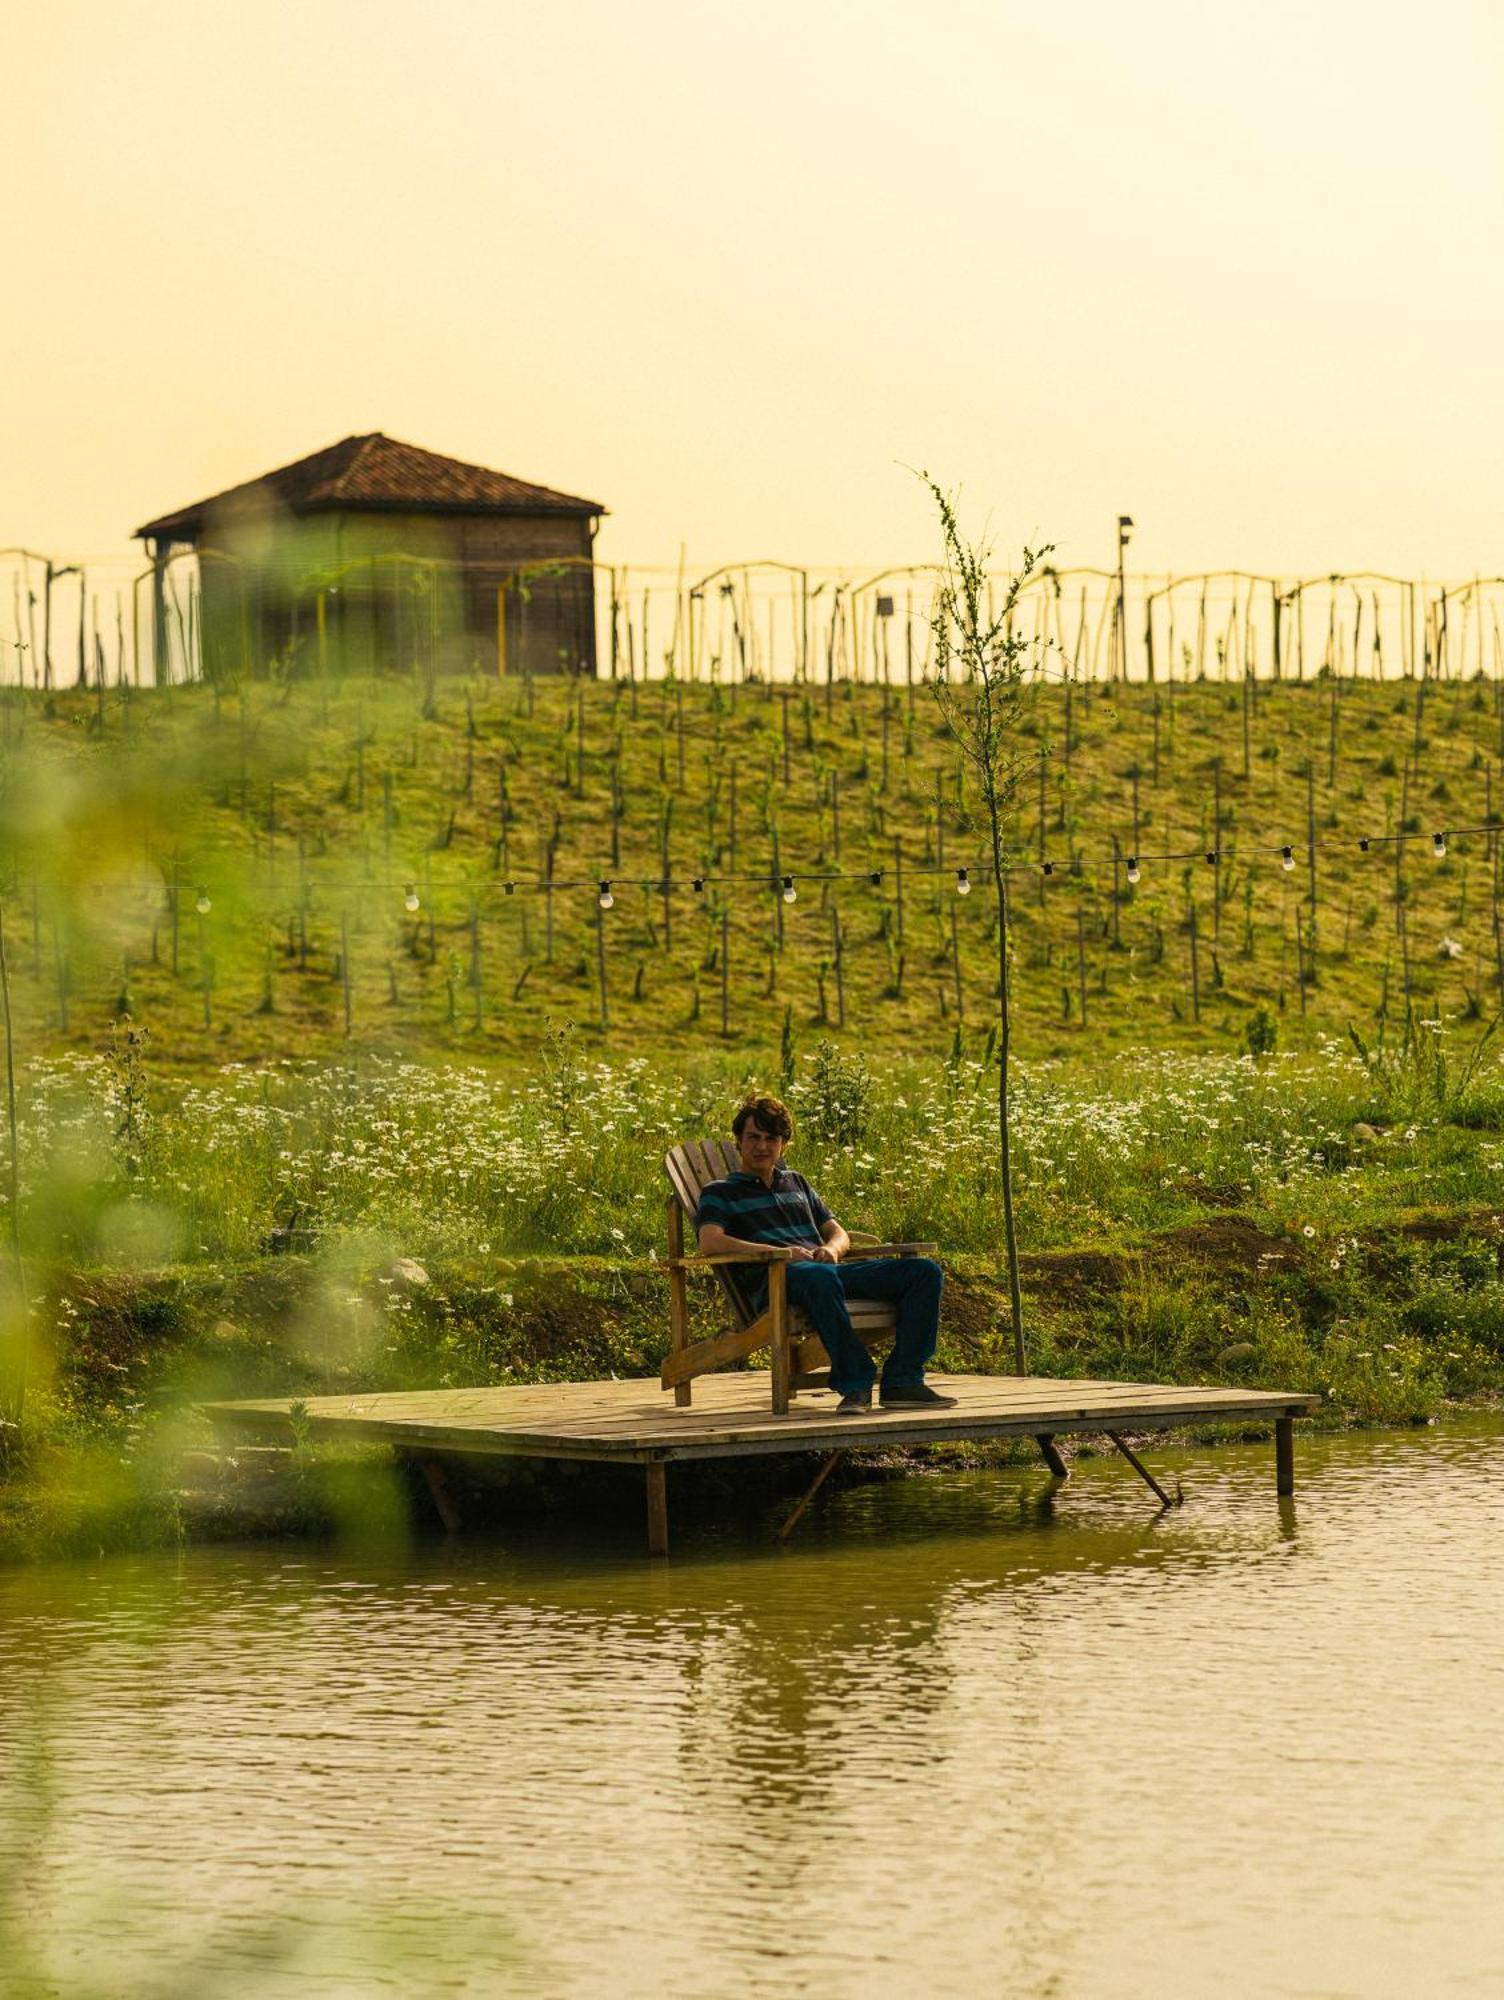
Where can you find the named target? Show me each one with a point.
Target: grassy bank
(1330, 1222)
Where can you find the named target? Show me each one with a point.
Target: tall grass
(566, 1160)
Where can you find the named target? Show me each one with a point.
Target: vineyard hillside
(310, 867)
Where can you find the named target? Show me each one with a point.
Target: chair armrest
(890, 1250)
(755, 1253)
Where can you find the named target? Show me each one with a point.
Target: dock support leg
(657, 1508)
(1284, 1456)
(778, 1313)
(1142, 1470)
(1050, 1452)
(678, 1296)
(435, 1479)
(814, 1486)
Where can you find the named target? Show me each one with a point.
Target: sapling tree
(983, 691)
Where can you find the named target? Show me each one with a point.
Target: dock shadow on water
(957, 1735)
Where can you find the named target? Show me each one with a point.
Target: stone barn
(374, 555)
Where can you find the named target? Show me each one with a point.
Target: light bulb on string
(963, 882)
(1135, 873)
(1363, 844)
(410, 900)
(790, 893)
(1439, 846)
(605, 898)
(1287, 858)
(1212, 857)
(511, 888)
(876, 878)
(1047, 867)
(699, 885)
(202, 903)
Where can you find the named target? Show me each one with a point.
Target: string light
(963, 882)
(1078, 865)
(202, 904)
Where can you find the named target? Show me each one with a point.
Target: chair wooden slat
(682, 1178)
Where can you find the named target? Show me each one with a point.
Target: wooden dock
(634, 1422)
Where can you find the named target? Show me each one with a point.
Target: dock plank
(731, 1415)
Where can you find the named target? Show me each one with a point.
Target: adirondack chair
(799, 1357)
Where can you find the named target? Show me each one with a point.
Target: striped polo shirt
(787, 1212)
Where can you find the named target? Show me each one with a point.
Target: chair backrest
(691, 1168)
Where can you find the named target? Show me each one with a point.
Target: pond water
(954, 1738)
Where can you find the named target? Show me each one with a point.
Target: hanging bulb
(1212, 857)
(1287, 858)
(1134, 871)
(1049, 867)
(410, 900)
(876, 878)
(606, 899)
(963, 882)
(1363, 845)
(510, 887)
(790, 893)
(202, 904)
(699, 885)
(1439, 846)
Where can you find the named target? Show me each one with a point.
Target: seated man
(767, 1203)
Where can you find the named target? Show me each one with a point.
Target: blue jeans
(820, 1291)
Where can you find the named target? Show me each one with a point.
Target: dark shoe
(857, 1404)
(918, 1396)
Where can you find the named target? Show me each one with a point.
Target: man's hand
(806, 1254)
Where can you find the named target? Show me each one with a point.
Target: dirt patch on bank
(1448, 1225)
(1227, 1245)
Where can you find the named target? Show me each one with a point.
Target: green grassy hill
(304, 811)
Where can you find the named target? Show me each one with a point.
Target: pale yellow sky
(1232, 269)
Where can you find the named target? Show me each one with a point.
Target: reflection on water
(955, 1738)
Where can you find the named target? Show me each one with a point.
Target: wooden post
(725, 970)
(1284, 1456)
(678, 1296)
(438, 1487)
(600, 962)
(657, 1484)
(1143, 1471)
(1192, 928)
(1050, 1452)
(814, 1486)
(1081, 960)
(778, 1275)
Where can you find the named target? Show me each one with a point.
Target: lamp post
(1125, 529)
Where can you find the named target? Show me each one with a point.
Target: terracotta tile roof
(375, 473)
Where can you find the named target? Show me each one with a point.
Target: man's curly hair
(771, 1113)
